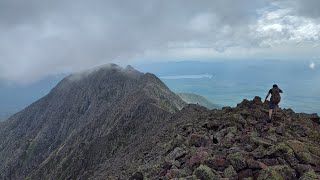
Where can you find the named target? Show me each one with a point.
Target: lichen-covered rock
(216, 162)
(280, 130)
(253, 164)
(259, 152)
(176, 173)
(310, 175)
(248, 178)
(177, 153)
(193, 177)
(283, 150)
(204, 172)
(270, 162)
(237, 161)
(230, 173)
(301, 151)
(260, 141)
(245, 173)
(197, 159)
(136, 176)
(278, 172)
(198, 140)
(302, 168)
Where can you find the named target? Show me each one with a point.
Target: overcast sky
(39, 38)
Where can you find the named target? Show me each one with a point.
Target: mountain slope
(116, 123)
(234, 143)
(90, 114)
(191, 98)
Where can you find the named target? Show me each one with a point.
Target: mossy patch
(206, 173)
(310, 175)
(237, 161)
(301, 151)
(278, 172)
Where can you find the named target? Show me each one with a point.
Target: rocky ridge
(118, 123)
(192, 98)
(236, 143)
(80, 126)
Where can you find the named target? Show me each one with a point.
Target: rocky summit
(118, 123)
(236, 143)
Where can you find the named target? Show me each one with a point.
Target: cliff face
(82, 122)
(118, 123)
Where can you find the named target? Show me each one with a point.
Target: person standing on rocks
(274, 100)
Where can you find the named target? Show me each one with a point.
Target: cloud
(40, 38)
(312, 66)
(281, 26)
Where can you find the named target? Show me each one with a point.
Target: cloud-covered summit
(40, 38)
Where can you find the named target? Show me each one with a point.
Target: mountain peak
(112, 122)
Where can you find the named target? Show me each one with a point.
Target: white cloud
(204, 22)
(312, 66)
(282, 26)
(42, 38)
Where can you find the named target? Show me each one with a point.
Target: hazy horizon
(221, 82)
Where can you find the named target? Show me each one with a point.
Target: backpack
(275, 97)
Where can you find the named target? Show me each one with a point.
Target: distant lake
(229, 82)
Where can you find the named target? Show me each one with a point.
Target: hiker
(274, 100)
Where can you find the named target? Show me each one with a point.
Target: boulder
(197, 159)
(176, 154)
(230, 173)
(310, 175)
(136, 176)
(204, 172)
(214, 126)
(283, 150)
(198, 140)
(270, 162)
(280, 130)
(217, 162)
(301, 151)
(315, 118)
(193, 177)
(246, 173)
(302, 168)
(258, 141)
(176, 173)
(237, 161)
(259, 152)
(253, 164)
(279, 172)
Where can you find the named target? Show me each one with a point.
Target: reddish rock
(262, 165)
(270, 162)
(245, 173)
(253, 164)
(198, 140)
(316, 168)
(197, 159)
(216, 162)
